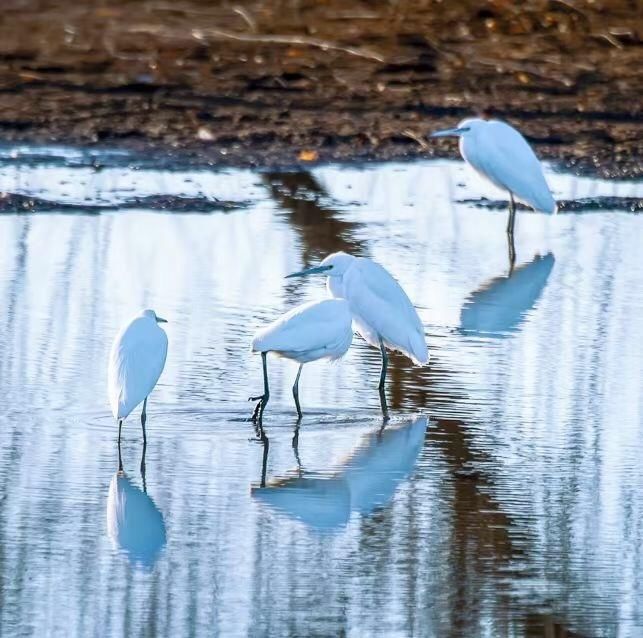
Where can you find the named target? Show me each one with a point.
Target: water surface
(505, 497)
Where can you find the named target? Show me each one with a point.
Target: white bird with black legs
(136, 362)
(382, 312)
(312, 331)
(499, 153)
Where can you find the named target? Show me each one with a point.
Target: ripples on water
(514, 508)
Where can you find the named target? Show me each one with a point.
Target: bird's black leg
(384, 365)
(384, 404)
(295, 446)
(143, 420)
(382, 384)
(264, 460)
(295, 391)
(263, 399)
(120, 460)
(510, 232)
(143, 472)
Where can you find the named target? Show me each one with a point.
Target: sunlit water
(505, 497)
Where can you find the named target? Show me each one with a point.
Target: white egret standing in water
(502, 155)
(316, 330)
(136, 362)
(382, 312)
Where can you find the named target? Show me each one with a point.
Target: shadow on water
(365, 481)
(135, 525)
(501, 305)
(311, 213)
(518, 512)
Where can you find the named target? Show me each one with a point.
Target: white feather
(315, 330)
(136, 362)
(500, 153)
(381, 308)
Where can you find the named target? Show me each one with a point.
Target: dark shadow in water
(318, 224)
(367, 480)
(485, 540)
(500, 306)
(134, 523)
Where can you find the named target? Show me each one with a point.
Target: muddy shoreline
(282, 83)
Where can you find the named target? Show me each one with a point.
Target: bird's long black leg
(382, 385)
(295, 446)
(384, 365)
(384, 404)
(263, 399)
(510, 232)
(264, 460)
(295, 391)
(143, 420)
(120, 460)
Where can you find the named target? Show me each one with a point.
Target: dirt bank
(272, 83)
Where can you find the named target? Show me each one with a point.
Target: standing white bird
(502, 155)
(312, 331)
(136, 362)
(382, 312)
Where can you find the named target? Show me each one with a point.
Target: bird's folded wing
(503, 155)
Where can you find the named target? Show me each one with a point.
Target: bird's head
(334, 265)
(150, 314)
(464, 128)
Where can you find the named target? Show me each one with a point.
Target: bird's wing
(501, 154)
(310, 327)
(380, 306)
(136, 362)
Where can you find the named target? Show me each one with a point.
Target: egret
(382, 312)
(312, 331)
(503, 156)
(136, 362)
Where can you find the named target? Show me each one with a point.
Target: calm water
(505, 497)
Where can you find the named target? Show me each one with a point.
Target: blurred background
(282, 81)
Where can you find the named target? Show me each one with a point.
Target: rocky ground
(297, 81)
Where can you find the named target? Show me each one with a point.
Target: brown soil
(276, 83)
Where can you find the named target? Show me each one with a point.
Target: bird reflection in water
(500, 306)
(366, 480)
(134, 523)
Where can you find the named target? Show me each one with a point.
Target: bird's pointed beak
(449, 132)
(161, 320)
(309, 271)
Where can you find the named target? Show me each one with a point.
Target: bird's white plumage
(379, 306)
(315, 330)
(501, 154)
(136, 362)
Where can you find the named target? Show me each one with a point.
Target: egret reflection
(134, 523)
(500, 306)
(366, 480)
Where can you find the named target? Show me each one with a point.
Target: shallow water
(505, 497)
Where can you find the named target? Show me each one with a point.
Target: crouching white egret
(312, 331)
(502, 155)
(136, 362)
(382, 312)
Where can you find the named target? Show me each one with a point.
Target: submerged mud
(282, 83)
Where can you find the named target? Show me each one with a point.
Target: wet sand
(286, 82)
